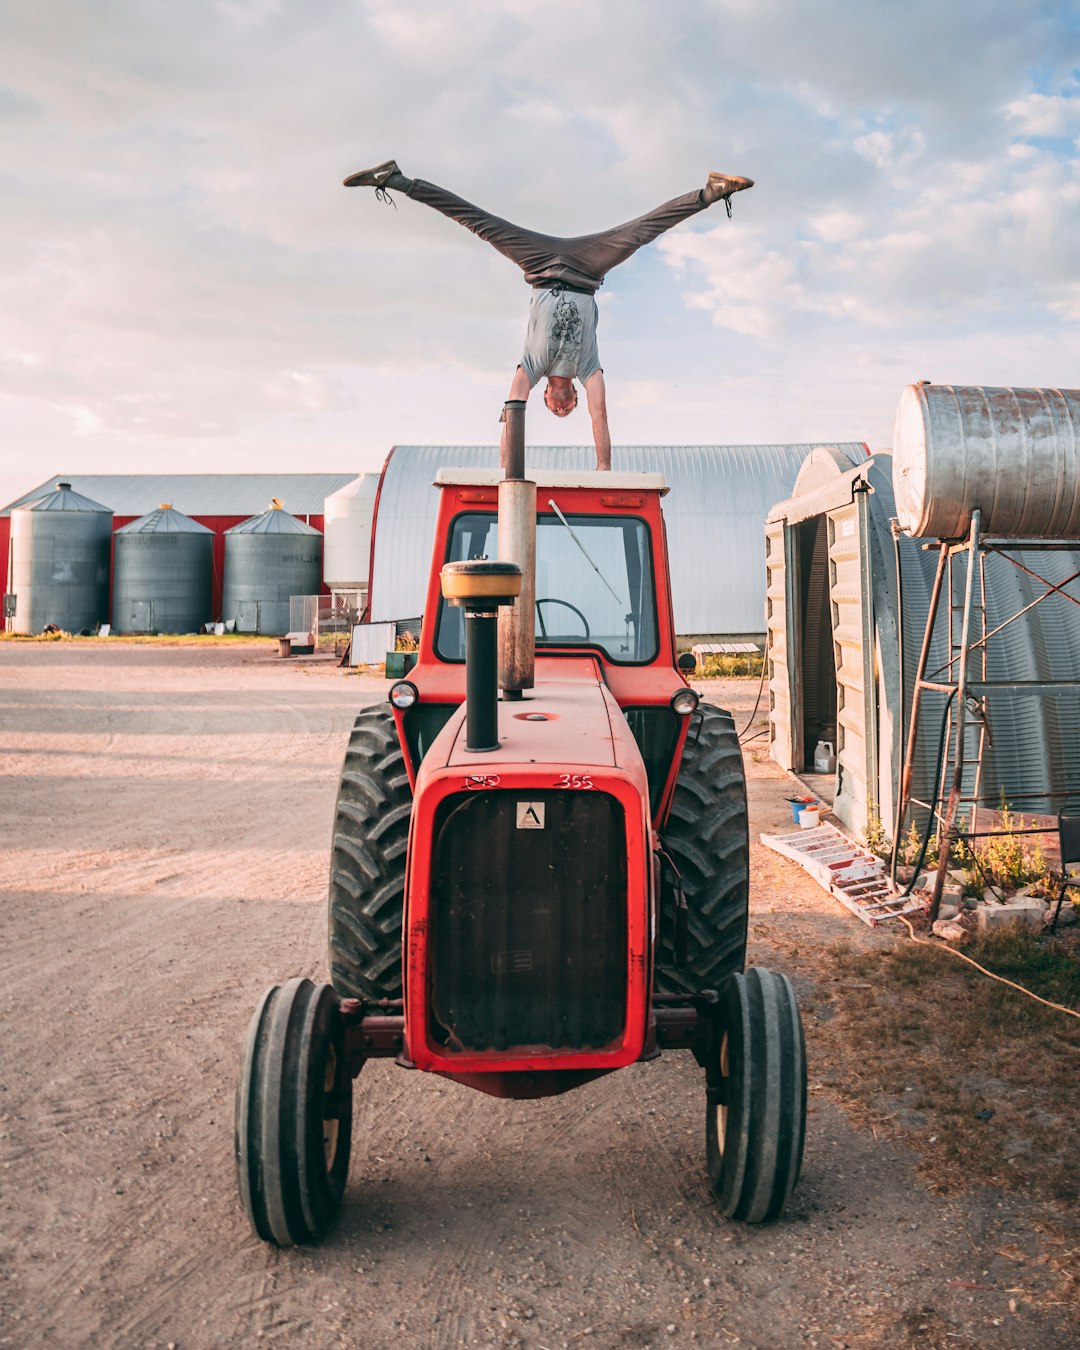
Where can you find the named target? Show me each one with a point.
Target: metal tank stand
(961, 577)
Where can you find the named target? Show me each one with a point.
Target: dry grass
(146, 639)
(977, 1078)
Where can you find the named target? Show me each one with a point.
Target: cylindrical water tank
(268, 559)
(347, 521)
(1012, 454)
(60, 547)
(163, 572)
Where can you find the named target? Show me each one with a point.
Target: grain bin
(268, 559)
(59, 573)
(162, 574)
(1013, 454)
(348, 518)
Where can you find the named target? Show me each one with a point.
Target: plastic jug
(824, 757)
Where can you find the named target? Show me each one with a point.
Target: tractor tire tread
(367, 864)
(707, 836)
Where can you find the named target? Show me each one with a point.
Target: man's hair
(547, 391)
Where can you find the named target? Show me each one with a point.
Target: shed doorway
(818, 661)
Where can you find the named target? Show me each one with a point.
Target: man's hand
(519, 389)
(596, 394)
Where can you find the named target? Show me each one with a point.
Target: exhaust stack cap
(480, 583)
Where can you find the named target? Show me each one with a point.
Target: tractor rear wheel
(707, 838)
(293, 1126)
(755, 1117)
(367, 861)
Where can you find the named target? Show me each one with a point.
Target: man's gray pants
(580, 263)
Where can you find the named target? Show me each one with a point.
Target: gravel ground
(165, 816)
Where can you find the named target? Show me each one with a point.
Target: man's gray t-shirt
(561, 339)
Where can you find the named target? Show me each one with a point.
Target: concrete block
(949, 929)
(1027, 911)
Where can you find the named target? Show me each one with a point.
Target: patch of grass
(144, 639)
(726, 666)
(979, 1079)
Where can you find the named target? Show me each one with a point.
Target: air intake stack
(481, 587)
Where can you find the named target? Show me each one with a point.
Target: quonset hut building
(848, 601)
(719, 498)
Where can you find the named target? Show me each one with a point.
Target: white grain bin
(1012, 454)
(60, 546)
(348, 517)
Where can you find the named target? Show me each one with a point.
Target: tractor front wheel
(706, 837)
(367, 860)
(293, 1130)
(756, 1108)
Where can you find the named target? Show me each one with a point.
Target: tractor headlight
(403, 694)
(684, 702)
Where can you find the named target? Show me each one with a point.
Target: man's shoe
(721, 185)
(375, 177)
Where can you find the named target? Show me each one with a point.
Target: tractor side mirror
(687, 663)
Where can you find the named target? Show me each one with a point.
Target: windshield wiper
(585, 551)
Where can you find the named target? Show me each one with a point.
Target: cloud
(180, 266)
(1045, 114)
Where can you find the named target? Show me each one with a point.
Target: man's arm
(596, 394)
(519, 388)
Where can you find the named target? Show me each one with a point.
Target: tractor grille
(528, 921)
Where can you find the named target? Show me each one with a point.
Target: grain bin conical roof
(164, 519)
(274, 521)
(64, 498)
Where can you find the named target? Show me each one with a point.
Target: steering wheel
(551, 600)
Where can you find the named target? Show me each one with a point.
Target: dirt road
(165, 818)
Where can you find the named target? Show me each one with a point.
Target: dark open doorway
(816, 641)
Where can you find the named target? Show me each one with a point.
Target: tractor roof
(570, 478)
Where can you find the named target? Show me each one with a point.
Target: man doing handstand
(565, 275)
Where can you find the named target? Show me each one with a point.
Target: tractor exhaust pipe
(517, 545)
(480, 588)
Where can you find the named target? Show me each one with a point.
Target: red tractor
(530, 892)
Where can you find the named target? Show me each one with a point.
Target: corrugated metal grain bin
(268, 559)
(60, 547)
(162, 574)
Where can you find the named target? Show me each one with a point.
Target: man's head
(560, 395)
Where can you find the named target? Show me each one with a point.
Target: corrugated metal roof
(164, 520)
(275, 521)
(62, 498)
(198, 494)
(720, 496)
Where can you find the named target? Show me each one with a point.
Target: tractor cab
(601, 590)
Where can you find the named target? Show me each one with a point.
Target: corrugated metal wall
(720, 496)
(1036, 740)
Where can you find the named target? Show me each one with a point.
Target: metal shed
(835, 626)
(719, 498)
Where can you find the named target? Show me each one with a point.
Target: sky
(185, 286)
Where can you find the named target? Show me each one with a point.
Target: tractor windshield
(594, 584)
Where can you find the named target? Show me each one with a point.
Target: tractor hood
(571, 722)
(530, 874)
